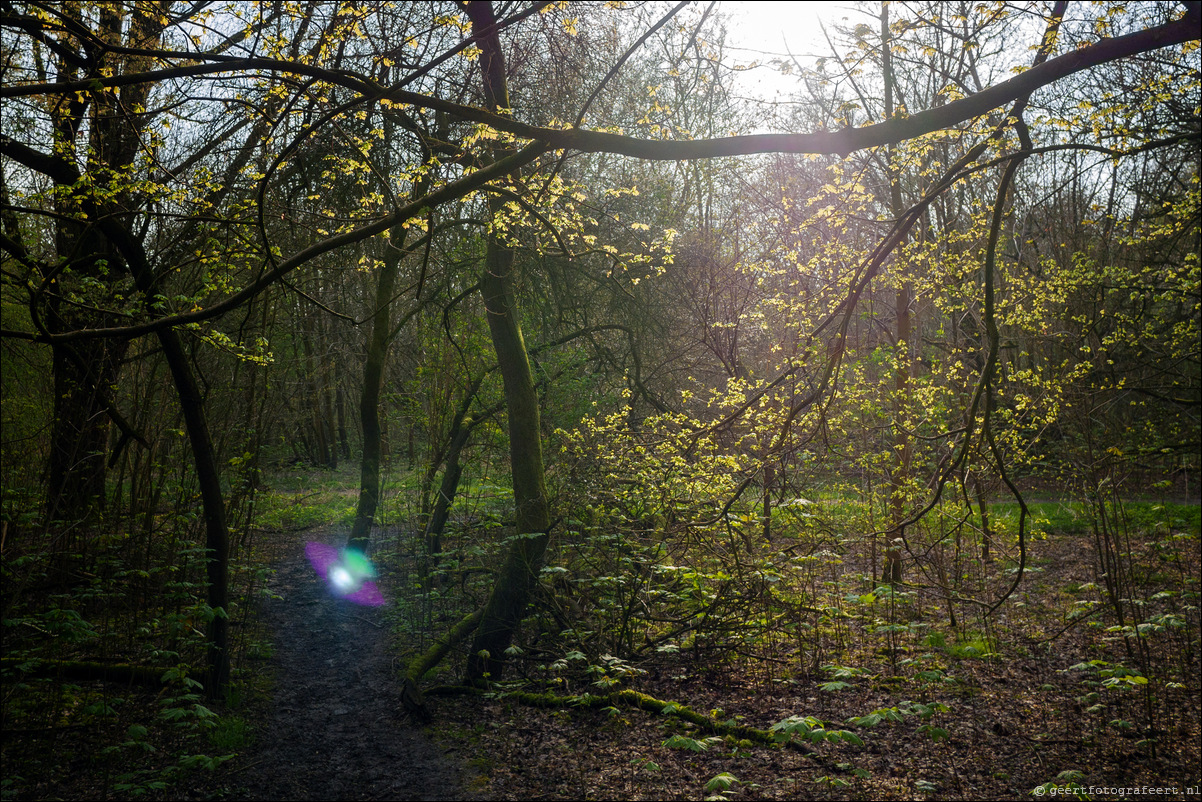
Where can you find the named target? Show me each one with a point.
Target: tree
(508, 601)
(298, 76)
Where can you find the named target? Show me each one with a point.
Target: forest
(505, 400)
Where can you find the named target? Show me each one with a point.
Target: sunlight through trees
(622, 363)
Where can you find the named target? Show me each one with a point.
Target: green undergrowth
(654, 607)
(104, 652)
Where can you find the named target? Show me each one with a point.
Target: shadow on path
(336, 729)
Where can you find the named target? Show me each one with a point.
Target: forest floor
(1013, 722)
(321, 700)
(334, 727)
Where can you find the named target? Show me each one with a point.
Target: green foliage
(719, 784)
(814, 730)
(1067, 782)
(742, 413)
(925, 712)
(306, 498)
(129, 594)
(691, 744)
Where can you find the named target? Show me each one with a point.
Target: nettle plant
(1103, 680)
(186, 719)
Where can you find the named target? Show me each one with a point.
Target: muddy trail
(335, 728)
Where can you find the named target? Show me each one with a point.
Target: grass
(231, 733)
(1074, 517)
(303, 498)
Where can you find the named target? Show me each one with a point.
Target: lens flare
(347, 572)
(341, 579)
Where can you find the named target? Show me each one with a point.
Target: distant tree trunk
(461, 430)
(442, 506)
(325, 383)
(769, 484)
(901, 385)
(369, 402)
(517, 576)
(412, 453)
(344, 443)
(986, 532)
(322, 448)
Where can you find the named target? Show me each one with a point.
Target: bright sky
(762, 31)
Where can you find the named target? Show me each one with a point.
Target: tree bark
(369, 401)
(83, 373)
(461, 430)
(901, 379)
(511, 593)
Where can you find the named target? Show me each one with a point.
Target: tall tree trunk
(83, 372)
(319, 453)
(901, 383)
(208, 476)
(326, 380)
(217, 538)
(80, 432)
(511, 593)
(344, 443)
(369, 401)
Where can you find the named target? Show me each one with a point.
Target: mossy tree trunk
(511, 593)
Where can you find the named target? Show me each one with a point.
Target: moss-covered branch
(84, 671)
(411, 695)
(642, 701)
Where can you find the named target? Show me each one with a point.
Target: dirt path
(335, 729)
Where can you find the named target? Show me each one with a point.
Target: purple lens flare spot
(367, 595)
(321, 557)
(348, 574)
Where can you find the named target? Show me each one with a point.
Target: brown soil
(335, 728)
(1014, 721)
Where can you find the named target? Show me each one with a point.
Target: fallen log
(411, 695)
(650, 704)
(642, 701)
(86, 671)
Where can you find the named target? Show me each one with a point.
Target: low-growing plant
(1067, 782)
